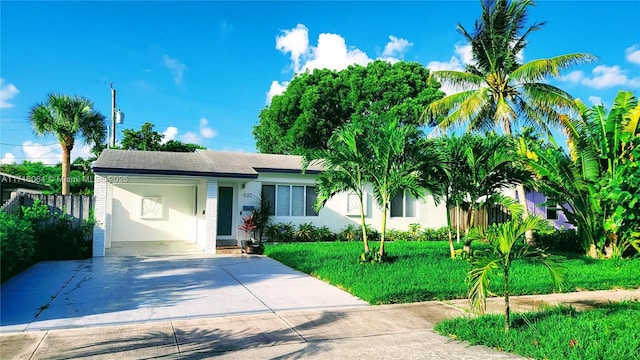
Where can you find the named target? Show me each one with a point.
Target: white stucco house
(202, 198)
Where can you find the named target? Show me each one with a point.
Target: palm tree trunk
(66, 165)
(507, 309)
(364, 226)
(384, 229)
(471, 219)
(452, 250)
(522, 198)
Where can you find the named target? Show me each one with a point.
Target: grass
(609, 332)
(423, 271)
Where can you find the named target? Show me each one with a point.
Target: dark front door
(225, 210)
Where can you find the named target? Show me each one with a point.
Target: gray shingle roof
(200, 163)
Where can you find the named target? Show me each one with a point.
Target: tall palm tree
(496, 89)
(65, 117)
(343, 161)
(393, 169)
(505, 247)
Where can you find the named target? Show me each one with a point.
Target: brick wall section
(211, 217)
(100, 213)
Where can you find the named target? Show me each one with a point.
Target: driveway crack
(53, 297)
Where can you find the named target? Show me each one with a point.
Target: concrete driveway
(121, 290)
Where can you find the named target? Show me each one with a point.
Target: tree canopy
(150, 140)
(316, 103)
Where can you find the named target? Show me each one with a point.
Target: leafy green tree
(316, 103)
(344, 161)
(505, 246)
(496, 89)
(67, 117)
(148, 139)
(393, 167)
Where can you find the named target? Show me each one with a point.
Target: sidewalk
(375, 332)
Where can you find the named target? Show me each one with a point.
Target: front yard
(423, 271)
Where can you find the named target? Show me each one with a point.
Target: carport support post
(100, 213)
(211, 214)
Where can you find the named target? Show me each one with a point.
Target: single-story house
(202, 197)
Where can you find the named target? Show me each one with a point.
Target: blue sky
(202, 71)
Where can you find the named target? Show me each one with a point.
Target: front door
(225, 210)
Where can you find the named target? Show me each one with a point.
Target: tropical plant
(597, 182)
(343, 161)
(505, 246)
(496, 89)
(248, 225)
(392, 169)
(65, 117)
(262, 216)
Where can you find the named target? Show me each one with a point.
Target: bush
(560, 240)
(41, 235)
(440, 234)
(281, 232)
(323, 233)
(396, 235)
(17, 244)
(350, 233)
(306, 232)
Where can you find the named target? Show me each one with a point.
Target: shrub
(560, 240)
(440, 234)
(396, 235)
(323, 233)
(281, 232)
(17, 244)
(306, 232)
(350, 233)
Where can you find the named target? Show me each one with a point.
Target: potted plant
(249, 246)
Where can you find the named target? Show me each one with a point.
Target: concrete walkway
(123, 290)
(374, 332)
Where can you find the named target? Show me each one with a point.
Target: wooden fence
(482, 217)
(77, 206)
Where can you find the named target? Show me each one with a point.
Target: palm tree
(64, 117)
(451, 177)
(393, 167)
(505, 247)
(498, 91)
(343, 161)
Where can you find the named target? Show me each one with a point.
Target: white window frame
(151, 207)
(547, 208)
(353, 204)
(290, 207)
(405, 195)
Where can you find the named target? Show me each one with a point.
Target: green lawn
(423, 271)
(608, 332)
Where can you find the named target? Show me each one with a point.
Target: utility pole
(113, 116)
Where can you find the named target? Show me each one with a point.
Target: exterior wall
(211, 217)
(534, 201)
(175, 219)
(334, 214)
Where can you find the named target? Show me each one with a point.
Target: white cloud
(7, 92)
(463, 51)
(83, 151)
(633, 54)
(176, 67)
(603, 77)
(276, 88)
(205, 131)
(453, 64)
(169, 134)
(595, 100)
(332, 53)
(396, 47)
(8, 158)
(296, 42)
(190, 138)
(47, 154)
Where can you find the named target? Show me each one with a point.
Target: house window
(403, 205)
(552, 210)
(151, 207)
(291, 200)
